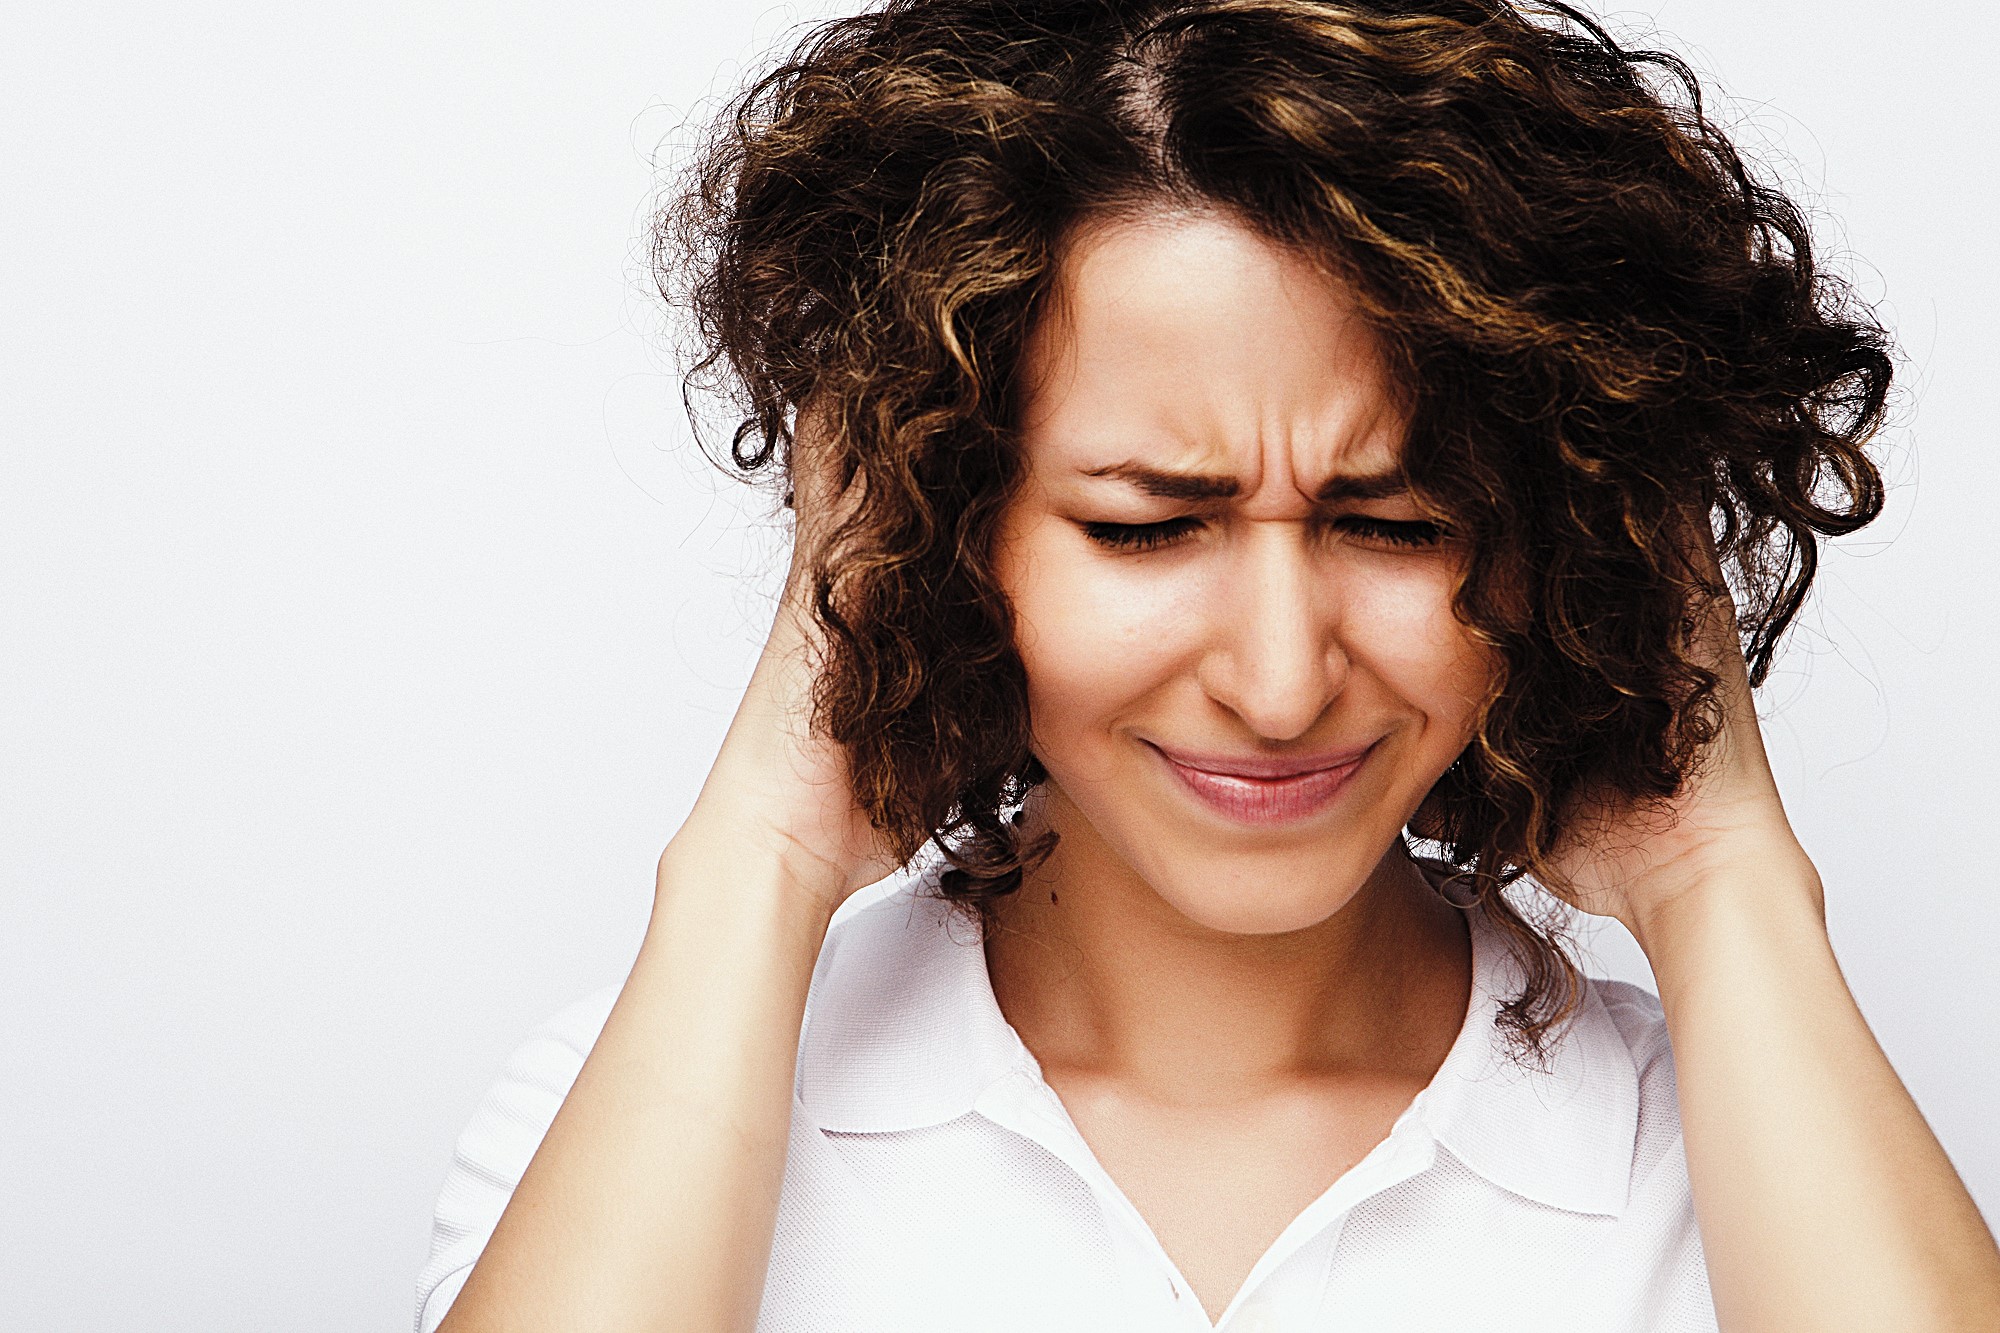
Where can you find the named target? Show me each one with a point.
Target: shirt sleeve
(494, 1150)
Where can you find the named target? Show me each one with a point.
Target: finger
(1713, 643)
(814, 465)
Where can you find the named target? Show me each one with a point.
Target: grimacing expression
(1243, 668)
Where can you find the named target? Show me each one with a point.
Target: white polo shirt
(934, 1182)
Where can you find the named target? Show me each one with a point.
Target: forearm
(1824, 1200)
(652, 1201)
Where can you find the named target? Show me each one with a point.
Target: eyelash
(1151, 536)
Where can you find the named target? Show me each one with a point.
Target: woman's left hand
(1632, 861)
(1823, 1199)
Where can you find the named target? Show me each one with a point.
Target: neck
(1100, 975)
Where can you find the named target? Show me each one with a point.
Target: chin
(1238, 894)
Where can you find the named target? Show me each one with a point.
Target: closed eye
(1140, 536)
(1414, 533)
(1411, 534)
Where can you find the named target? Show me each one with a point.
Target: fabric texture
(935, 1182)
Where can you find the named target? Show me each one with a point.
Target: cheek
(1098, 627)
(1400, 626)
(1093, 637)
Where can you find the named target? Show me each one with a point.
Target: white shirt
(934, 1182)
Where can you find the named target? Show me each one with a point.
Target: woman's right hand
(668, 1153)
(775, 779)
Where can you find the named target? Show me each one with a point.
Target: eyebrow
(1209, 486)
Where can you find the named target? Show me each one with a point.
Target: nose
(1274, 655)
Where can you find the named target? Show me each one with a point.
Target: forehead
(1188, 341)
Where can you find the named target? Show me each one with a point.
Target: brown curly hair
(1605, 321)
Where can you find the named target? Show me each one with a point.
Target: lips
(1260, 766)
(1256, 789)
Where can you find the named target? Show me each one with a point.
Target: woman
(1229, 440)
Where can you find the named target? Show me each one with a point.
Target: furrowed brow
(1170, 485)
(1193, 486)
(1364, 486)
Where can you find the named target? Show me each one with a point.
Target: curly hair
(1606, 322)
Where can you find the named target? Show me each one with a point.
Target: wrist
(739, 862)
(1783, 900)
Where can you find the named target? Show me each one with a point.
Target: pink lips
(1256, 790)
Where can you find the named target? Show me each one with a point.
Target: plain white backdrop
(367, 621)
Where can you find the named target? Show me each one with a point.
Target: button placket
(1025, 1104)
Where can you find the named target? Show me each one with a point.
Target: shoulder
(540, 1072)
(499, 1141)
(563, 1040)
(520, 1103)
(1640, 1021)
(514, 1115)
(1659, 1164)
(1661, 1200)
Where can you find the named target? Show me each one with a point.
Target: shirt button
(1254, 1319)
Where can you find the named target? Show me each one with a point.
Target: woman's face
(1243, 669)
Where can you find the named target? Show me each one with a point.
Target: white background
(369, 622)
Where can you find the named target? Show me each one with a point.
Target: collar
(1562, 1133)
(902, 1032)
(901, 1027)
